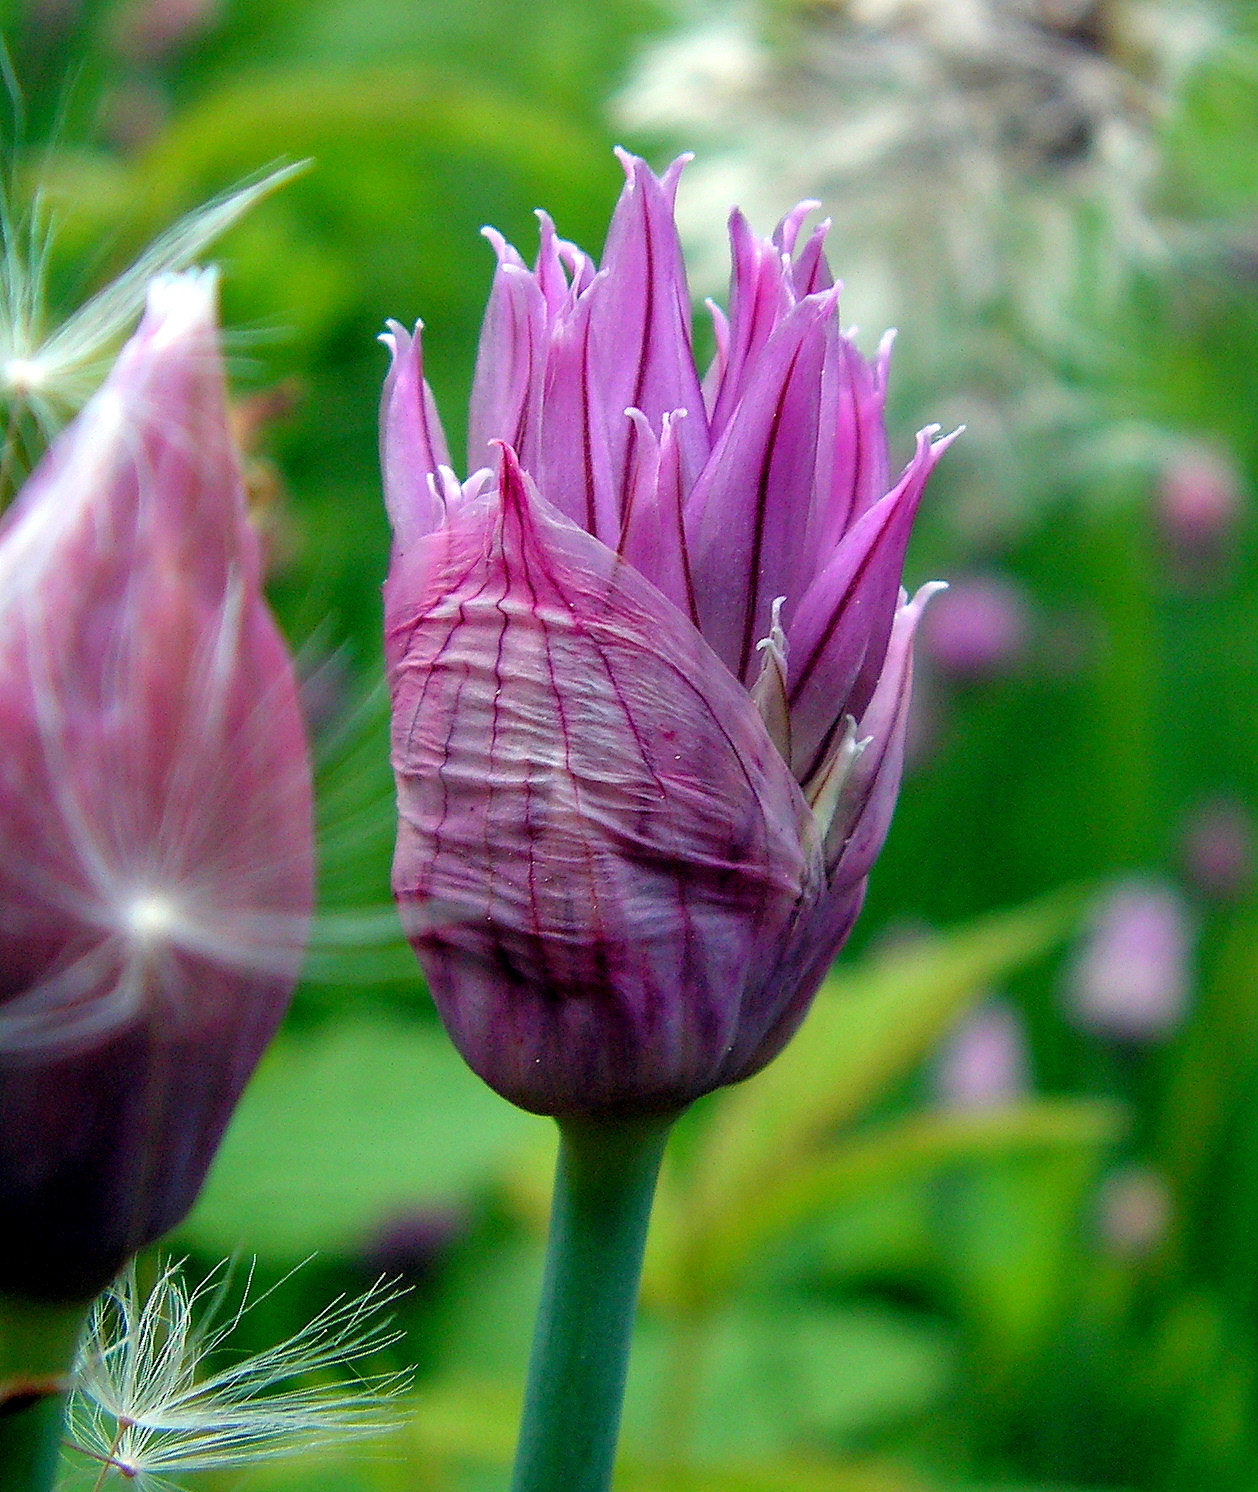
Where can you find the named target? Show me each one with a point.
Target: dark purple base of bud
(103, 1151)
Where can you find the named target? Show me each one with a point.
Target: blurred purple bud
(978, 629)
(148, 29)
(1218, 849)
(650, 663)
(1131, 976)
(984, 1064)
(1133, 1212)
(134, 113)
(412, 1245)
(1199, 505)
(155, 814)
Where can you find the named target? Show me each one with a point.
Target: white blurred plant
(961, 146)
(149, 1401)
(994, 170)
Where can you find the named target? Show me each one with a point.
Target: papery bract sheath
(650, 663)
(155, 812)
(590, 803)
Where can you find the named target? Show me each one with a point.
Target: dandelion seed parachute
(148, 1403)
(52, 369)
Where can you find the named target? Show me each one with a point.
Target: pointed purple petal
(548, 271)
(641, 318)
(810, 270)
(562, 270)
(510, 362)
(581, 268)
(653, 539)
(716, 368)
(760, 297)
(743, 518)
(854, 458)
(803, 962)
(412, 442)
(639, 536)
(863, 688)
(573, 458)
(869, 799)
(786, 234)
(838, 635)
(853, 466)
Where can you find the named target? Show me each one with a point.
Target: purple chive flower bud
(1131, 977)
(650, 663)
(1218, 849)
(155, 815)
(984, 1064)
(978, 629)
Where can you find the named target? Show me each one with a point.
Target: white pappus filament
(148, 1403)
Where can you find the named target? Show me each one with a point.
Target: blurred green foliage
(849, 1287)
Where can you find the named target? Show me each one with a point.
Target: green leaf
(907, 1150)
(457, 150)
(490, 1299)
(785, 1475)
(775, 1372)
(466, 1420)
(469, 1423)
(343, 1128)
(1010, 1251)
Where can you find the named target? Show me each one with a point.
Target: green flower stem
(604, 1187)
(37, 1346)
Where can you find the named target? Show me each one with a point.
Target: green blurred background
(992, 1222)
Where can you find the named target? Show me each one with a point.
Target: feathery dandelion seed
(47, 369)
(148, 1401)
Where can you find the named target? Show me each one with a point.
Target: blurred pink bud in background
(148, 29)
(412, 1245)
(1218, 849)
(1131, 976)
(978, 628)
(1199, 505)
(1133, 1212)
(984, 1063)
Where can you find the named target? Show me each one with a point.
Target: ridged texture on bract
(650, 663)
(155, 815)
